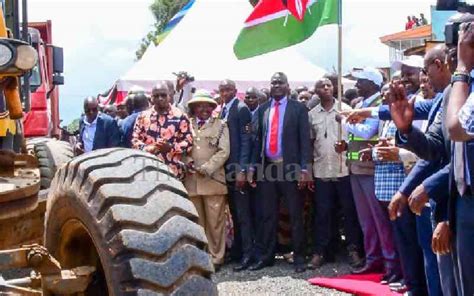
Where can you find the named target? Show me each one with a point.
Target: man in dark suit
(282, 152)
(238, 118)
(253, 98)
(423, 183)
(96, 130)
(436, 144)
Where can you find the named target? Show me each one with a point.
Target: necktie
(201, 123)
(274, 129)
(459, 167)
(224, 112)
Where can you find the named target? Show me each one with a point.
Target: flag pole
(339, 74)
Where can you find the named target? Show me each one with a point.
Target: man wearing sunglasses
(96, 130)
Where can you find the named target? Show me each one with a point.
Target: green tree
(163, 11)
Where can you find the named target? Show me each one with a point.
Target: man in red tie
(282, 156)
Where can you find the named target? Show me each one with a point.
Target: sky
(100, 38)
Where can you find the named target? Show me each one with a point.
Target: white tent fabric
(202, 45)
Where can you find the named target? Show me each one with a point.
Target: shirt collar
(256, 109)
(90, 123)
(199, 120)
(228, 105)
(320, 108)
(370, 99)
(171, 110)
(282, 101)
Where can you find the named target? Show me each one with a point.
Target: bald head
(90, 100)
(162, 85)
(438, 52)
(436, 67)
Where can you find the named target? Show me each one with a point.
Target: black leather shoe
(390, 278)
(260, 265)
(373, 268)
(299, 268)
(244, 264)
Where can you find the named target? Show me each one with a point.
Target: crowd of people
(391, 167)
(413, 21)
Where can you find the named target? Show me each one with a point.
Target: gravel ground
(277, 280)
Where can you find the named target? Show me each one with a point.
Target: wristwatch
(461, 77)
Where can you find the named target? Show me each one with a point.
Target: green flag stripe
(274, 35)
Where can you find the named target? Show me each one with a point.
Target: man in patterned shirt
(164, 131)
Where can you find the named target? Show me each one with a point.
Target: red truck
(42, 118)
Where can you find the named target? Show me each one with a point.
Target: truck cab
(42, 118)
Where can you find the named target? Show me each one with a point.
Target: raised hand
(402, 110)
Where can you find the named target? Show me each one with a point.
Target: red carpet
(361, 285)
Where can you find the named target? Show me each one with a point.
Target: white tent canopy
(202, 44)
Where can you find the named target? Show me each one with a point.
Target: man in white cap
(378, 243)
(205, 179)
(410, 73)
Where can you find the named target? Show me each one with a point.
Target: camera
(452, 28)
(185, 75)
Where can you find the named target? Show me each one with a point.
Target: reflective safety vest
(356, 144)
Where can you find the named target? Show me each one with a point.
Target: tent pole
(339, 75)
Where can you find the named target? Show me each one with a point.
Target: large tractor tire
(51, 155)
(121, 211)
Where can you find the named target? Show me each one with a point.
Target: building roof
(423, 32)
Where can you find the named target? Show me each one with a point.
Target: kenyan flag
(276, 24)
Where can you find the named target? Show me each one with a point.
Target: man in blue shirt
(378, 241)
(96, 130)
(282, 150)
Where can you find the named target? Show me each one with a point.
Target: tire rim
(76, 248)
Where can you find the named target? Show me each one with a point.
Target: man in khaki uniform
(205, 180)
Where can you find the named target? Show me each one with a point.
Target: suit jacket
(107, 133)
(435, 145)
(296, 139)
(239, 124)
(424, 168)
(208, 159)
(127, 129)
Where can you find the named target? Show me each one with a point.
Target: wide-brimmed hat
(202, 96)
